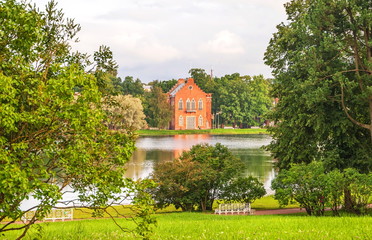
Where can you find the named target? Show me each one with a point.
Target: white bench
(232, 208)
(55, 214)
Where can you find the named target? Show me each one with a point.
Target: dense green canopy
(52, 138)
(321, 61)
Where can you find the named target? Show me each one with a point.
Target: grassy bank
(204, 131)
(209, 226)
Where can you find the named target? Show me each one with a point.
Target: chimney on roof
(181, 80)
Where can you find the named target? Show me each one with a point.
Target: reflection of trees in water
(142, 163)
(257, 161)
(136, 164)
(258, 164)
(159, 156)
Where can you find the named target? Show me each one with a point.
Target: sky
(164, 39)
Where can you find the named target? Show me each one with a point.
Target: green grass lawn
(210, 226)
(206, 131)
(267, 202)
(181, 225)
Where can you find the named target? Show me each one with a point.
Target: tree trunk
(348, 201)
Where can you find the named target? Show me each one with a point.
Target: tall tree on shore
(50, 137)
(157, 109)
(321, 61)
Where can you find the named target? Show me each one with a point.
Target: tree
(243, 189)
(304, 184)
(50, 137)
(261, 102)
(202, 79)
(131, 87)
(164, 85)
(243, 100)
(179, 183)
(125, 113)
(157, 109)
(105, 70)
(200, 176)
(359, 189)
(321, 60)
(314, 188)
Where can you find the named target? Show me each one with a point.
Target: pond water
(154, 149)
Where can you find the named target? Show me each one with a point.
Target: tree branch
(347, 113)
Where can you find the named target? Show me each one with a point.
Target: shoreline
(217, 131)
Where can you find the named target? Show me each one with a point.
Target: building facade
(191, 106)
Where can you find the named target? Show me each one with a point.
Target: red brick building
(191, 106)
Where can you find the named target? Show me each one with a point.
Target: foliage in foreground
(200, 176)
(52, 139)
(208, 226)
(314, 189)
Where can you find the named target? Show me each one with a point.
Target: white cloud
(145, 50)
(224, 42)
(162, 39)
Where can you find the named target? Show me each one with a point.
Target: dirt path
(279, 211)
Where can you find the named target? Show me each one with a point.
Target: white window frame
(188, 104)
(193, 104)
(200, 104)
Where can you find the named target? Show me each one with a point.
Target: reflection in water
(152, 150)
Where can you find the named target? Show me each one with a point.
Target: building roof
(176, 89)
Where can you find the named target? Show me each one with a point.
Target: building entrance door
(190, 122)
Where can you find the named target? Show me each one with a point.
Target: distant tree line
(241, 101)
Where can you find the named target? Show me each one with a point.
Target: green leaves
(51, 138)
(314, 188)
(196, 179)
(322, 68)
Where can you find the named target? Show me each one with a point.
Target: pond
(154, 149)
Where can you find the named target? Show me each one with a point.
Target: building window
(200, 121)
(188, 105)
(180, 104)
(200, 104)
(180, 121)
(193, 105)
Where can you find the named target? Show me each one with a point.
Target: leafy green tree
(314, 188)
(202, 79)
(359, 187)
(132, 87)
(243, 189)
(51, 138)
(335, 183)
(304, 184)
(105, 70)
(197, 178)
(157, 109)
(260, 100)
(179, 183)
(243, 100)
(164, 85)
(234, 98)
(321, 61)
